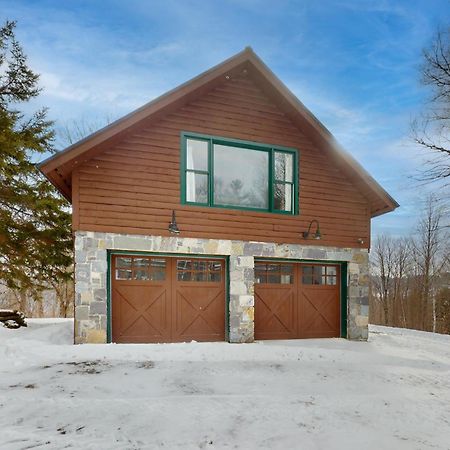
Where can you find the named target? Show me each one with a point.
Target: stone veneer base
(91, 268)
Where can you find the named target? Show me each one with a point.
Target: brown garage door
(159, 299)
(296, 300)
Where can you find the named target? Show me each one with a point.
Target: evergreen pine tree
(35, 237)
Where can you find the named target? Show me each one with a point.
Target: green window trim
(209, 173)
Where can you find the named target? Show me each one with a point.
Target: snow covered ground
(392, 392)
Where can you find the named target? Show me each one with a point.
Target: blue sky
(353, 63)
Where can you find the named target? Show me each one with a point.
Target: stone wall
(91, 277)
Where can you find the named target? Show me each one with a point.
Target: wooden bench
(12, 318)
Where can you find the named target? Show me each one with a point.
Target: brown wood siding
(133, 186)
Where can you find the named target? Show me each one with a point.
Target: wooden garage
(228, 165)
(297, 300)
(167, 299)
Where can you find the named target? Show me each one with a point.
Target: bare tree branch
(432, 130)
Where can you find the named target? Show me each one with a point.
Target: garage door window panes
(199, 270)
(268, 273)
(321, 275)
(123, 269)
(140, 268)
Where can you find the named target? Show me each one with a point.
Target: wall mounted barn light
(316, 235)
(173, 227)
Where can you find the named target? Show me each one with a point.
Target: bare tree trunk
(403, 316)
(23, 302)
(39, 302)
(385, 313)
(64, 294)
(428, 248)
(434, 314)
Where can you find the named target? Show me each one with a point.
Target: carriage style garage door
(296, 300)
(159, 299)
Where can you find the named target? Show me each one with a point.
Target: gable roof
(58, 168)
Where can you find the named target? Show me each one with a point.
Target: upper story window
(227, 173)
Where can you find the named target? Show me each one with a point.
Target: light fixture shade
(173, 226)
(317, 235)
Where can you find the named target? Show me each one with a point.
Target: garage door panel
(200, 313)
(197, 328)
(318, 315)
(157, 299)
(275, 313)
(319, 292)
(140, 313)
(296, 300)
(139, 330)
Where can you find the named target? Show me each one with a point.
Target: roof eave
(325, 135)
(143, 112)
(59, 185)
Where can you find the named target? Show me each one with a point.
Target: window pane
(308, 274)
(158, 264)
(158, 275)
(123, 262)
(287, 268)
(274, 278)
(260, 266)
(287, 271)
(331, 280)
(183, 264)
(141, 262)
(286, 279)
(197, 154)
(199, 270)
(284, 166)
(214, 277)
(282, 197)
(260, 277)
(200, 276)
(331, 270)
(196, 187)
(241, 177)
(141, 274)
(123, 274)
(260, 272)
(199, 265)
(319, 270)
(158, 270)
(184, 276)
(214, 266)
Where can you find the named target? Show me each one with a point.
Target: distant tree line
(410, 276)
(410, 279)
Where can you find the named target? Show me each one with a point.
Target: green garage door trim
(110, 254)
(344, 290)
